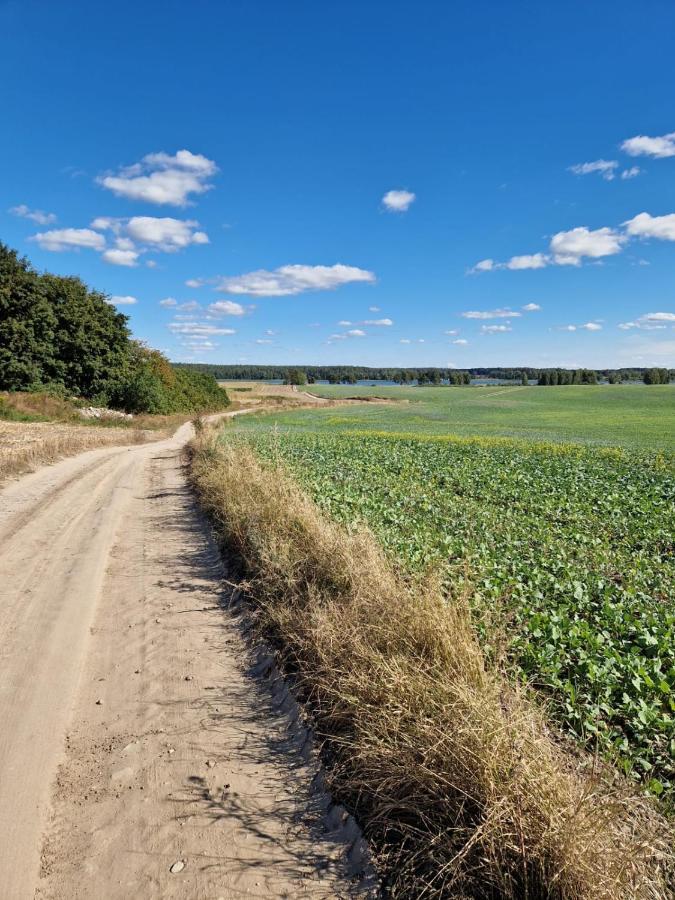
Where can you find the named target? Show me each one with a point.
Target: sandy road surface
(135, 732)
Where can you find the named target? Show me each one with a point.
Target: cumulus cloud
(117, 257)
(657, 147)
(503, 313)
(123, 301)
(452, 331)
(604, 167)
(378, 322)
(226, 308)
(356, 332)
(646, 226)
(373, 309)
(168, 302)
(405, 341)
(35, 215)
(531, 307)
(528, 261)
(165, 234)
(460, 342)
(633, 172)
(162, 179)
(398, 201)
(570, 247)
(264, 341)
(293, 279)
(494, 329)
(344, 323)
(69, 239)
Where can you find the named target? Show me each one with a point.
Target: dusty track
(135, 733)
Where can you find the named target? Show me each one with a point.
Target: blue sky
(467, 183)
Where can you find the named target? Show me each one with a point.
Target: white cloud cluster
(566, 248)
(398, 201)
(127, 238)
(293, 279)
(656, 147)
(168, 302)
(162, 179)
(460, 342)
(651, 321)
(607, 168)
(531, 307)
(587, 326)
(35, 215)
(494, 329)
(378, 322)
(198, 329)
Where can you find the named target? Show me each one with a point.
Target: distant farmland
(638, 416)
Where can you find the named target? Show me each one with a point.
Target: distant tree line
(353, 374)
(58, 335)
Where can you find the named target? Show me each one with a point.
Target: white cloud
(656, 321)
(293, 279)
(356, 332)
(528, 261)
(398, 201)
(604, 167)
(270, 332)
(344, 323)
(198, 329)
(168, 301)
(405, 341)
(194, 283)
(485, 265)
(460, 342)
(531, 307)
(165, 234)
(162, 179)
(587, 326)
(633, 172)
(264, 341)
(123, 301)
(226, 308)
(373, 309)
(378, 322)
(452, 331)
(35, 215)
(644, 225)
(504, 313)
(69, 239)
(657, 147)
(570, 247)
(121, 257)
(494, 329)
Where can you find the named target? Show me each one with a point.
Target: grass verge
(455, 776)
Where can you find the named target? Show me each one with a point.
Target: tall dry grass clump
(456, 780)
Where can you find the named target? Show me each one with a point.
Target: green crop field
(616, 415)
(565, 552)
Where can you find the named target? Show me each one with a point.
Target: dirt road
(142, 753)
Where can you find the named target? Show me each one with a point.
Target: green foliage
(58, 335)
(656, 376)
(566, 552)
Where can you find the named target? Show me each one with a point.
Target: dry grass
(458, 783)
(26, 445)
